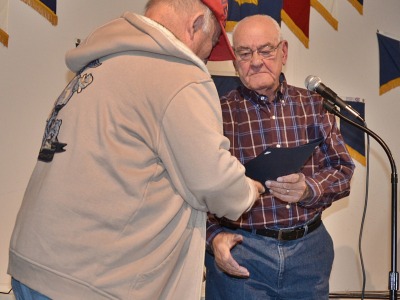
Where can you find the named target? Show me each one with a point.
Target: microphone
(314, 84)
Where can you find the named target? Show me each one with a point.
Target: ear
(196, 24)
(285, 48)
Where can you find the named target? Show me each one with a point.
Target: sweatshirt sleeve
(196, 154)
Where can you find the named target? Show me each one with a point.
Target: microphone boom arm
(393, 283)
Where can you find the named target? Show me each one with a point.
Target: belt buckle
(301, 233)
(298, 234)
(280, 233)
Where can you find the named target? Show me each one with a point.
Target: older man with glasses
(279, 249)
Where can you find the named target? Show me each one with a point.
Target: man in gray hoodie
(132, 159)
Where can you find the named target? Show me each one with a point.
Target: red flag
(296, 15)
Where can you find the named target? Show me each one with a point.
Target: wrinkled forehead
(251, 33)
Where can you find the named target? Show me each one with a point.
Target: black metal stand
(357, 295)
(393, 283)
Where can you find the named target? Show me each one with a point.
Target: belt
(282, 234)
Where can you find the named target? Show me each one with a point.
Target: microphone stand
(393, 283)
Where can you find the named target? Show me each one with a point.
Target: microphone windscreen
(312, 82)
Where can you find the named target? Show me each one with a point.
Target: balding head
(199, 24)
(260, 53)
(189, 20)
(258, 21)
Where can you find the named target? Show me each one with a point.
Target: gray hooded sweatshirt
(132, 159)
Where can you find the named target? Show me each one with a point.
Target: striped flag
(328, 10)
(296, 15)
(358, 4)
(389, 63)
(47, 8)
(239, 9)
(4, 22)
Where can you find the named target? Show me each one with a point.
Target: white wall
(32, 74)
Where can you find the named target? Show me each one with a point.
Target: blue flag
(47, 8)
(389, 63)
(239, 9)
(352, 136)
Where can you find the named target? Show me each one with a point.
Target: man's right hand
(260, 188)
(222, 245)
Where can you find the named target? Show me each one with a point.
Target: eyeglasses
(246, 54)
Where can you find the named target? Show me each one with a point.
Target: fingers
(290, 188)
(286, 195)
(291, 178)
(260, 187)
(222, 245)
(231, 267)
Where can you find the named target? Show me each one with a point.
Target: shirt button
(273, 117)
(278, 146)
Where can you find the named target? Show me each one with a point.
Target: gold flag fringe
(230, 25)
(43, 10)
(241, 2)
(325, 13)
(3, 37)
(357, 5)
(356, 155)
(294, 28)
(388, 86)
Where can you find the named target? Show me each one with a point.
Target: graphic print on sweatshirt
(50, 142)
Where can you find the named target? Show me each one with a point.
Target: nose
(256, 59)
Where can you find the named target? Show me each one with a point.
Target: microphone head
(312, 82)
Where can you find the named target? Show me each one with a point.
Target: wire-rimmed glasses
(266, 51)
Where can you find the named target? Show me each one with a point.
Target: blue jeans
(22, 292)
(295, 270)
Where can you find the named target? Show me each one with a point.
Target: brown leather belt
(283, 234)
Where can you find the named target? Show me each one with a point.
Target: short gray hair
(208, 17)
(186, 6)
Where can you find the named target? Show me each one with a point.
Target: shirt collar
(262, 99)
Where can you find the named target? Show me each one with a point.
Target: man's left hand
(290, 188)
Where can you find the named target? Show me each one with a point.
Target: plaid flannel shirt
(296, 116)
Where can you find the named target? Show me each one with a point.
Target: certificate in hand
(275, 162)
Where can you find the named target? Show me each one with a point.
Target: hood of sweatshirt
(130, 32)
